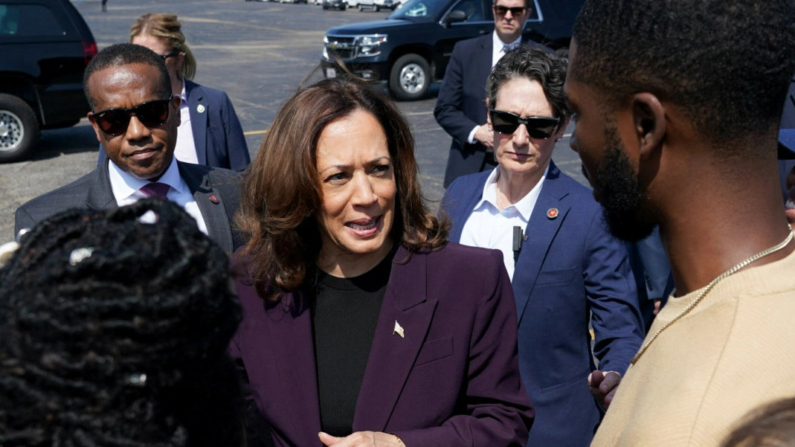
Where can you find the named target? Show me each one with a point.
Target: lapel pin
(398, 330)
(214, 199)
(200, 108)
(552, 213)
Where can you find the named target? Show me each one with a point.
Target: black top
(344, 316)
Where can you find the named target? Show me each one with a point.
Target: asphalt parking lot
(258, 53)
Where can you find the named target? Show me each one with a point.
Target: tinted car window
(28, 21)
(419, 10)
(473, 9)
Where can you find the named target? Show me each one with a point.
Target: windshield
(420, 10)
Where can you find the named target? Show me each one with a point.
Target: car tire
(361, 7)
(19, 129)
(377, 8)
(342, 7)
(410, 77)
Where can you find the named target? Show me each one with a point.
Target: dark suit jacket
(452, 381)
(93, 191)
(568, 268)
(461, 104)
(217, 133)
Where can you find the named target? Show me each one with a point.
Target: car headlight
(369, 44)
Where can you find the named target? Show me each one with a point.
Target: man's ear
(94, 124)
(648, 116)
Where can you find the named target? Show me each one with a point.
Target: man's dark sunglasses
(538, 127)
(171, 54)
(515, 11)
(151, 114)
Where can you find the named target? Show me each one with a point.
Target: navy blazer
(570, 272)
(450, 380)
(461, 104)
(217, 133)
(214, 190)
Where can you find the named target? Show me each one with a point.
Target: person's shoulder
(64, 197)
(210, 93)
(464, 261)
(576, 190)
(466, 183)
(473, 43)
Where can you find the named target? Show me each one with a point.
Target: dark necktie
(155, 189)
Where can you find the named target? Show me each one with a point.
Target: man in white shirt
(461, 104)
(135, 118)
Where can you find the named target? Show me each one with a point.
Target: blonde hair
(167, 28)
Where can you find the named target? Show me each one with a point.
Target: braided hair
(113, 332)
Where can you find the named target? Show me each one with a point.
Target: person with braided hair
(114, 327)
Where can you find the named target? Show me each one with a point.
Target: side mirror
(454, 17)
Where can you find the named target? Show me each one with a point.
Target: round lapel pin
(200, 108)
(552, 213)
(214, 199)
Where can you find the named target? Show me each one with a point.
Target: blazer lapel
(100, 194)
(540, 231)
(209, 203)
(392, 356)
(289, 337)
(198, 120)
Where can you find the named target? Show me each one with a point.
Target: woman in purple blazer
(362, 326)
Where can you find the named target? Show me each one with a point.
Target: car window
(419, 10)
(473, 9)
(28, 21)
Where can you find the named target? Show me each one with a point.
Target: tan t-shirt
(734, 352)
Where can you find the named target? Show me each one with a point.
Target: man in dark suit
(135, 119)
(461, 105)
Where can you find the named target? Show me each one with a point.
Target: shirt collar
(184, 95)
(524, 206)
(499, 43)
(124, 185)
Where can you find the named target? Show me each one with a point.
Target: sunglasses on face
(151, 114)
(171, 54)
(515, 11)
(538, 127)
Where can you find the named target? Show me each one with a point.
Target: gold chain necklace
(712, 284)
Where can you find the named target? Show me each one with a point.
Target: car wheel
(19, 129)
(377, 8)
(342, 7)
(410, 77)
(361, 7)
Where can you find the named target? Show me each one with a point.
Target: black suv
(413, 45)
(45, 47)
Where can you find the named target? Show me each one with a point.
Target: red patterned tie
(155, 189)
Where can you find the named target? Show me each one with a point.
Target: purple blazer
(451, 380)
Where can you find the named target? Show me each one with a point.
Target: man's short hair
(534, 64)
(125, 54)
(726, 63)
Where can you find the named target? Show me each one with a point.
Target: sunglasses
(538, 127)
(515, 11)
(151, 114)
(171, 54)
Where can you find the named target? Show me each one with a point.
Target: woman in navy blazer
(217, 136)
(333, 198)
(567, 270)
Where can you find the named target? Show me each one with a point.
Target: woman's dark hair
(281, 190)
(113, 332)
(534, 64)
(772, 425)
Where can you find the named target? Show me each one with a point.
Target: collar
(524, 206)
(184, 95)
(125, 185)
(499, 43)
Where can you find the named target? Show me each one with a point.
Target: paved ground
(256, 52)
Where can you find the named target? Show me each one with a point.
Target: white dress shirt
(497, 52)
(488, 227)
(126, 190)
(185, 150)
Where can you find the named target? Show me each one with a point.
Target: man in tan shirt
(677, 105)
